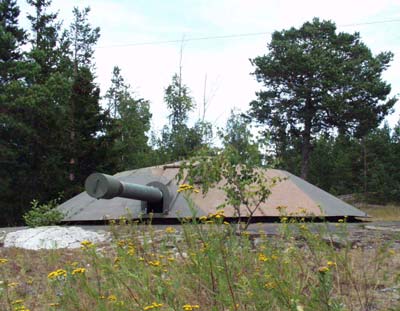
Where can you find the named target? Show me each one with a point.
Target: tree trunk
(306, 146)
(73, 147)
(305, 155)
(364, 146)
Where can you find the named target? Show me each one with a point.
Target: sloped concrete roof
(292, 195)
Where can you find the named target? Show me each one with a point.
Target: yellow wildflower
(78, 271)
(121, 243)
(392, 251)
(203, 218)
(170, 230)
(86, 244)
(60, 273)
(270, 285)
(155, 263)
(131, 251)
(21, 308)
(323, 269)
(188, 307)
(13, 284)
(331, 263)
(153, 306)
(3, 261)
(17, 302)
(185, 187)
(54, 304)
(340, 220)
(112, 298)
(262, 257)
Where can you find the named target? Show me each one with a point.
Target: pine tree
(317, 80)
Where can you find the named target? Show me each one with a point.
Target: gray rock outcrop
(52, 237)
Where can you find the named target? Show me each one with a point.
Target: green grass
(388, 212)
(203, 267)
(378, 212)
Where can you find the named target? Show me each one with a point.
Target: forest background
(319, 113)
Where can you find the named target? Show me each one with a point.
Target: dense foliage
(53, 129)
(44, 214)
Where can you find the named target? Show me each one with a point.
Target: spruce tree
(131, 124)
(49, 50)
(85, 119)
(42, 108)
(12, 37)
(13, 131)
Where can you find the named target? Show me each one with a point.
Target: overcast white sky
(148, 68)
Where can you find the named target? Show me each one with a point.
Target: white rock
(52, 237)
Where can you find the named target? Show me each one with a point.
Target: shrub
(44, 214)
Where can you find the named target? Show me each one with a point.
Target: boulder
(52, 237)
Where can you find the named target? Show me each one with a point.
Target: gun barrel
(102, 186)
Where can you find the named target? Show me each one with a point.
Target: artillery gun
(154, 195)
